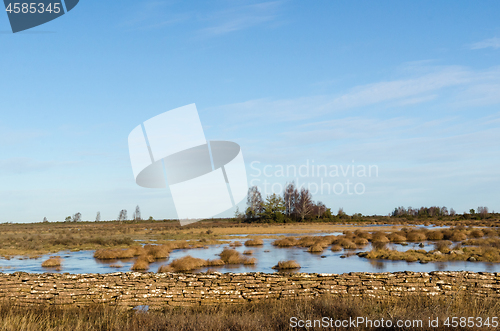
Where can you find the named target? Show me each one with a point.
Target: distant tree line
(122, 216)
(423, 212)
(293, 205)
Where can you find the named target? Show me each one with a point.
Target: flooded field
(267, 256)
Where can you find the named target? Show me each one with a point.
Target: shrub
(287, 265)
(316, 248)
(186, 263)
(248, 252)
(347, 244)
(254, 242)
(248, 261)
(476, 233)
(415, 236)
(157, 251)
(285, 242)
(396, 237)
(458, 236)
(215, 263)
(336, 248)
(361, 241)
(379, 237)
(112, 254)
(141, 263)
(164, 268)
(53, 261)
(231, 256)
(307, 241)
(435, 235)
(443, 246)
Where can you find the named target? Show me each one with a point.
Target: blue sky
(411, 87)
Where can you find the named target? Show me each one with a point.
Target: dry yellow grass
(248, 252)
(186, 263)
(379, 237)
(189, 263)
(53, 261)
(254, 242)
(268, 315)
(360, 242)
(336, 248)
(285, 242)
(114, 253)
(215, 263)
(397, 237)
(231, 256)
(140, 264)
(415, 236)
(435, 235)
(287, 265)
(347, 244)
(157, 251)
(317, 248)
(249, 261)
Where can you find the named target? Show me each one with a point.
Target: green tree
(273, 208)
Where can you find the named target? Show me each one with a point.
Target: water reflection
(267, 256)
(377, 264)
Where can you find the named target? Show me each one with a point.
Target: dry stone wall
(158, 290)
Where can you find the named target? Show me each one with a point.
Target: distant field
(39, 238)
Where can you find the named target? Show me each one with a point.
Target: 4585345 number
(33, 7)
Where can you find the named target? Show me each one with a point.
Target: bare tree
(482, 211)
(77, 217)
(122, 216)
(239, 215)
(319, 209)
(304, 204)
(290, 195)
(254, 202)
(452, 212)
(137, 214)
(45, 220)
(98, 217)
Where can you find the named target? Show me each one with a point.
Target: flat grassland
(414, 310)
(32, 240)
(39, 238)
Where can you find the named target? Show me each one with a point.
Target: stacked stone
(160, 289)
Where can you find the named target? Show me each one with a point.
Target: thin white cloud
(240, 17)
(487, 43)
(455, 85)
(216, 20)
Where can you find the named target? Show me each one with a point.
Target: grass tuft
(53, 261)
(287, 265)
(254, 242)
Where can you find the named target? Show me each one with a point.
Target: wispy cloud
(240, 17)
(154, 14)
(456, 86)
(216, 19)
(487, 43)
